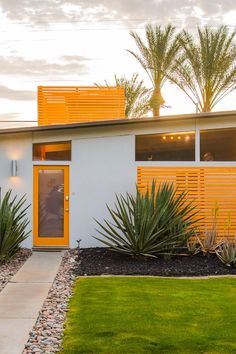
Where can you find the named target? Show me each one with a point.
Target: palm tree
(137, 96)
(157, 56)
(206, 70)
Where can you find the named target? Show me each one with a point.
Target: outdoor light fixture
(13, 168)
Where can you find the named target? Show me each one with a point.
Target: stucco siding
(101, 167)
(17, 147)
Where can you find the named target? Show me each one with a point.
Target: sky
(82, 42)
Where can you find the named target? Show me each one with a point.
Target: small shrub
(193, 245)
(226, 252)
(209, 243)
(159, 221)
(13, 223)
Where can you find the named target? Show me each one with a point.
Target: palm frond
(157, 55)
(137, 96)
(206, 72)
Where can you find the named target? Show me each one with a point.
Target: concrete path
(23, 297)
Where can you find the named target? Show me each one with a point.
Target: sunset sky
(80, 42)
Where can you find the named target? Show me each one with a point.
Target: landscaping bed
(8, 269)
(100, 261)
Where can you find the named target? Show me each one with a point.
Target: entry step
(49, 249)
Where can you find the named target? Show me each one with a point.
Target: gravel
(8, 269)
(46, 335)
(102, 261)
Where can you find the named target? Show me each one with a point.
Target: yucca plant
(158, 221)
(13, 224)
(226, 252)
(210, 242)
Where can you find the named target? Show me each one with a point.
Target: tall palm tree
(157, 56)
(137, 96)
(206, 70)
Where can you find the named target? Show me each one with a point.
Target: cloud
(16, 95)
(63, 66)
(60, 10)
(9, 116)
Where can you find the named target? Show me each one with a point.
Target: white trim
(186, 163)
(51, 163)
(197, 143)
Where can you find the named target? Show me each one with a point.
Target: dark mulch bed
(99, 261)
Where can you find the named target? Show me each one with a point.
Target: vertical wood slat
(71, 104)
(209, 187)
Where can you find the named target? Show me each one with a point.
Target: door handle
(67, 209)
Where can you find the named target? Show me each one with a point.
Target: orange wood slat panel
(207, 186)
(71, 104)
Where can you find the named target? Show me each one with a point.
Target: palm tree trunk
(207, 105)
(156, 101)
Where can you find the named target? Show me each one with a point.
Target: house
(71, 169)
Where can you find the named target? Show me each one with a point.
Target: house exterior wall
(17, 147)
(103, 164)
(101, 168)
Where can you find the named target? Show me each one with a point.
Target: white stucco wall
(17, 147)
(100, 168)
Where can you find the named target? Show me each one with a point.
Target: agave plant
(210, 242)
(226, 252)
(161, 220)
(13, 223)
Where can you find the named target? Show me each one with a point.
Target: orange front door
(51, 206)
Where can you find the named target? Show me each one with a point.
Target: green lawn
(151, 315)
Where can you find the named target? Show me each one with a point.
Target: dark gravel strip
(100, 261)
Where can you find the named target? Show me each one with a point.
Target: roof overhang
(120, 122)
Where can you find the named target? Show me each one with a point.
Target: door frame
(50, 241)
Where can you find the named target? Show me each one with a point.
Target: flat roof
(120, 122)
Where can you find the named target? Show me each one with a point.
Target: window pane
(51, 203)
(52, 151)
(218, 145)
(166, 147)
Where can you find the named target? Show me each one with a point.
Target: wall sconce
(14, 168)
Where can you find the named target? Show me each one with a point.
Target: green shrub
(226, 252)
(13, 223)
(209, 241)
(159, 221)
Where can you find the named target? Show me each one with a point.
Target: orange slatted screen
(65, 105)
(208, 186)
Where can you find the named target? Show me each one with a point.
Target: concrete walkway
(23, 297)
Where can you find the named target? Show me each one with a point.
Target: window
(218, 145)
(58, 151)
(166, 147)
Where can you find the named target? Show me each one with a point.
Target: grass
(151, 315)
